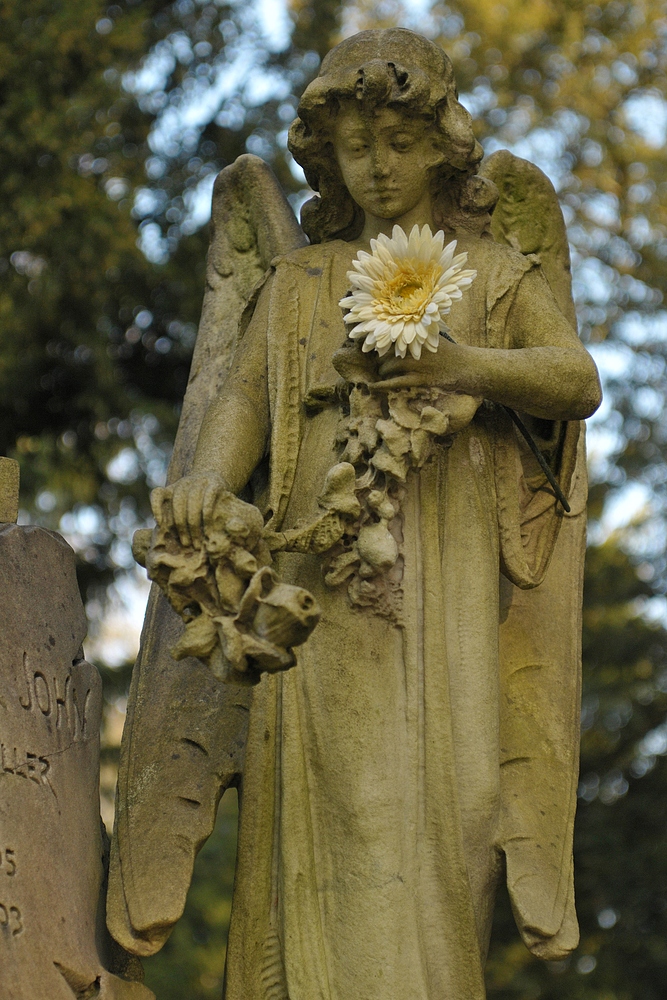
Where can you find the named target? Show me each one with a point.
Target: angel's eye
(402, 143)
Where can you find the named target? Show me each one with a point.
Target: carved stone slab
(9, 490)
(51, 849)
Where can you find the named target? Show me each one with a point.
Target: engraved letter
(33, 772)
(42, 693)
(26, 704)
(5, 757)
(61, 699)
(24, 767)
(46, 767)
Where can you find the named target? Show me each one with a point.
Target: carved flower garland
(402, 291)
(239, 618)
(400, 295)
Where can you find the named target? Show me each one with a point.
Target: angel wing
(185, 732)
(540, 632)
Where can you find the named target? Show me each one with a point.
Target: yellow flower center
(409, 290)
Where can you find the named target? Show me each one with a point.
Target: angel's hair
(400, 69)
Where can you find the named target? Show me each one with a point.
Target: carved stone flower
(402, 291)
(239, 618)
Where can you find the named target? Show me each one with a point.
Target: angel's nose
(379, 163)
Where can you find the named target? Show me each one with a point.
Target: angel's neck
(420, 215)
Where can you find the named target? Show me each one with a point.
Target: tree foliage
(94, 340)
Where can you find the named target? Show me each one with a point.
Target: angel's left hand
(445, 368)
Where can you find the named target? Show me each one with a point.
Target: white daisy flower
(402, 290)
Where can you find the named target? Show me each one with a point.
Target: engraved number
(11, 920)
(15, 920)
(7, 861)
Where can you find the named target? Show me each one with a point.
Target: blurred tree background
(114, 121)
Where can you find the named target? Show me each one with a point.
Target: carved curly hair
(397, 68)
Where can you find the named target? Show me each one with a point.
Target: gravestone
(53, 945)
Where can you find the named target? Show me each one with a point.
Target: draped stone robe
(378, 797)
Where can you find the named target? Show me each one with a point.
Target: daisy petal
(397, 329)
(398, 243)
(364, 282)
(420, 332)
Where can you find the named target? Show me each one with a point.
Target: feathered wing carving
(528, 218)
(540, 633)
(185, 733)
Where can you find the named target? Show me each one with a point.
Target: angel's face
(387, 161)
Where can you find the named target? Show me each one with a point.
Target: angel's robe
(378, 799)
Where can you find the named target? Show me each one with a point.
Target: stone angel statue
(425, 744)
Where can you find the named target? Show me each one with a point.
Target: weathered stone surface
(51, 849)
(9, 490)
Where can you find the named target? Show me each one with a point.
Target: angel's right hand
(353, 365)
(188, 505)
